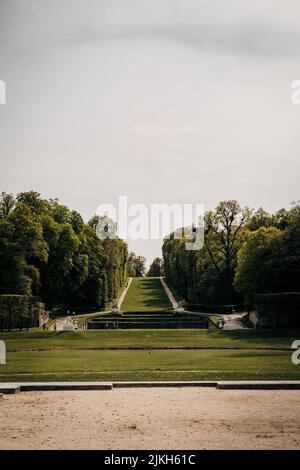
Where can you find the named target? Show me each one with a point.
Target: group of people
(114, 325)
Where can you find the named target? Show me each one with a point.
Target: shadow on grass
(257, 334)
(155, 293)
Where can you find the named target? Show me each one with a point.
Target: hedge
(280, 309)
(221, 309)
(17, 311)
(278, 303)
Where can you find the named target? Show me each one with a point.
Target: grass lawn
(145, 365)
(145, 293)
(245, 339)
(68, 355)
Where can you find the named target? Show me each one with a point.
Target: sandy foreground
(143, 418)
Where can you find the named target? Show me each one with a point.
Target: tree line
(48, 251)
(244, 253)
(136, 265)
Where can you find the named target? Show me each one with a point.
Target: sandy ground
(151, 419)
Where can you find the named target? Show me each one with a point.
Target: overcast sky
(162, 100)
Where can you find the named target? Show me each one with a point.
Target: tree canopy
(156, 267)
(244, 253)
(136, 265)
(47, 250)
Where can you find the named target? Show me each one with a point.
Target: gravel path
(144, 418)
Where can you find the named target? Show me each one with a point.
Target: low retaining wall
(149, 325)
(223, 385)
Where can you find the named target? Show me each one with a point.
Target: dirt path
(151, 419)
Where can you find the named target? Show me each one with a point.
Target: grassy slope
(145, 293)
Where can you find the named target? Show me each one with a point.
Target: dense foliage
(136, 265)
(156, 267)
(47, 250)
(244, 253)
(19, 311)
(269, 260)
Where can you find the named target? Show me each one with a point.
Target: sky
(164, 101)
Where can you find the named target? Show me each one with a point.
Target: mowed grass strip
(244, 339)
(146, 294)
(142, 365)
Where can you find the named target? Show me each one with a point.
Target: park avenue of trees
(245, 253)
(48, 252)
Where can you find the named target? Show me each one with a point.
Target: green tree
(223, 237)
(136, 265)
(49, 251)
(14, 278)
(269, 261)
(155, 267)
(206, 276)
(253, 258)
(93, 291)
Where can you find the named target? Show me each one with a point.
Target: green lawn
(145, 293)
(36, 356)
(245, 339)
(156, 365)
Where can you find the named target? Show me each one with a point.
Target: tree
(14, 309)
(28, 234)
(206, 276)
(93, 291)
(269, 260)
(223, 227)
(22, 247)
(136, 265)
(251, 277)
(48, 251)
(56, 272)
(155, 267)
(14, 278)
(7, 203)
(260, 218)
(223, 237)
